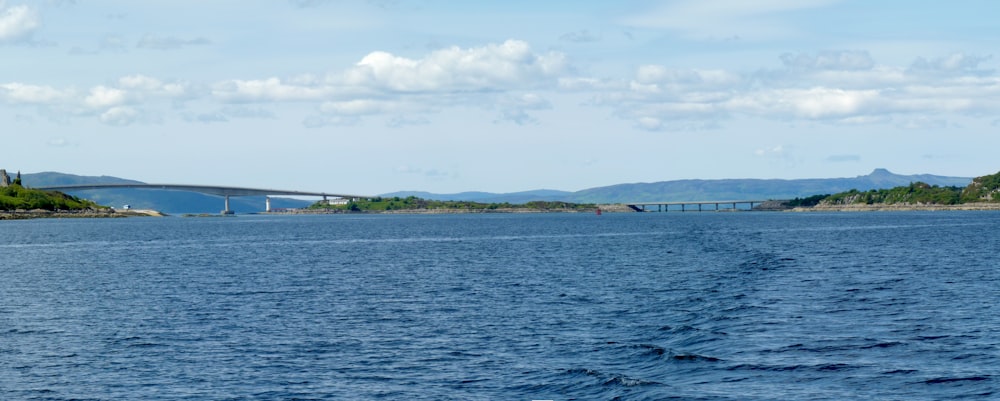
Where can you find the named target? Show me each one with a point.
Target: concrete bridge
(206, 189)
(719, 205)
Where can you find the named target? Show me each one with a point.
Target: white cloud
(774, 152)
(814, 103)
(386, 84)
(510, 65)
(837, 87)
(143, 86)
(226, 114)
(357, 107)
(723, 19)
(403, 121)
(922, 122)
(952, 62)
(119, 116)
(16, 93)
(207, 118)
(59, 143)
(102, 97)
(17, 22)
(515, 108)
(268, 90)
(649, 123)
(834, 87)
(829, 60)
(168, 42)
(588, 84)
(139, 82)
(583, 36)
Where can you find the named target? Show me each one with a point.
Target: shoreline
(605, 208)
(77, 214)
(898, 208)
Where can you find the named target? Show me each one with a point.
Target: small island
(412, 204)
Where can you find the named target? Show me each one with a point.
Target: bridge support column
(227, 211)
(267, 204)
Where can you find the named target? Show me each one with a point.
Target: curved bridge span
(206, 189)
(665, 206)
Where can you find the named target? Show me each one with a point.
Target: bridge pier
(267, 204)
(226, 210)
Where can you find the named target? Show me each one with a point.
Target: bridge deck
(225, 192)
(665, 206)
(205, 189)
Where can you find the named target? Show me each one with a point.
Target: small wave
(693, 357)
(619, 380)
(661, 352)
(900, 372)
(764, 262)
(652, 349)
(143, 345)
(611, 379)
(941, 380)
(837, 348)
(927, 338)
(826, 367)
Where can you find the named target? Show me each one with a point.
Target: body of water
(688, 306)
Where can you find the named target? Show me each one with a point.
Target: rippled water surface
(699, 306)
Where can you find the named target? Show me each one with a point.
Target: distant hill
(697, 190)
(737, 189)
(172, 202)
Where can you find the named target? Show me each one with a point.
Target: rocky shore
(74, 214)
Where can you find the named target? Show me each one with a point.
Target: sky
(371, 97)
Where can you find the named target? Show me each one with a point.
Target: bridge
(665, 206)
(206, 189)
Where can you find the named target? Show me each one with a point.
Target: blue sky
(378, 96)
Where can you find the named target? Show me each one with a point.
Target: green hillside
(15, 197)
(982, 189)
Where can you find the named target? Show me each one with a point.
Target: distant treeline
(381, 204)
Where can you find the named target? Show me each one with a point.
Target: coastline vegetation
(412, 203)
(985, 189)
(16, 197)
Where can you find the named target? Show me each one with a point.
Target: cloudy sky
(376, 96)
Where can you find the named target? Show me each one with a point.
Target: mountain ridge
(714, 189)
(662, 191)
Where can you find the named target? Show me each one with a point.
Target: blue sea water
(687, 306)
